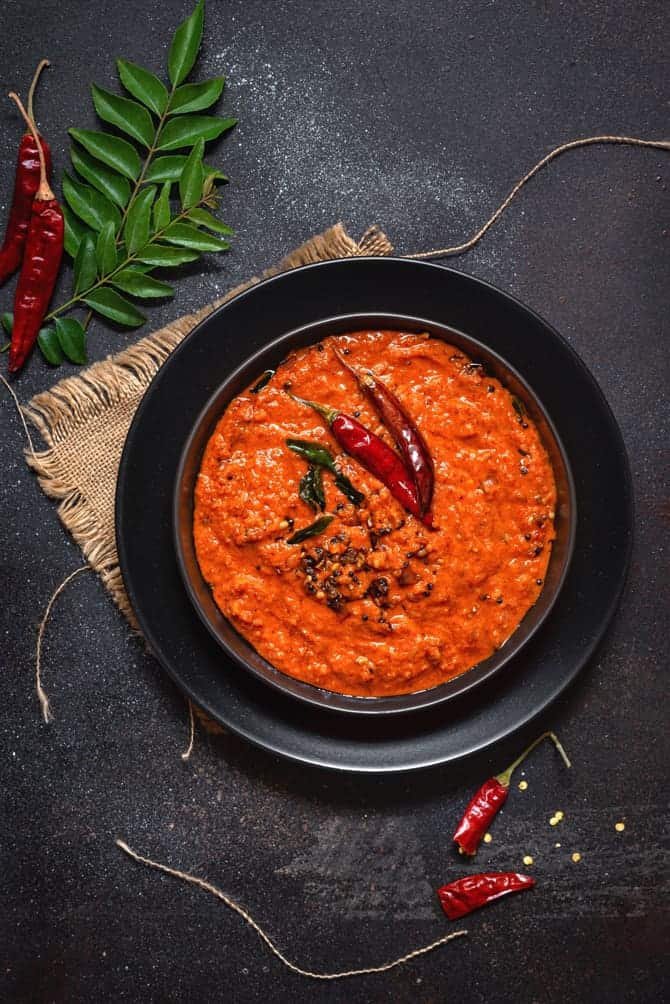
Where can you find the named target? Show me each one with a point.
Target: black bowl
(238, 647)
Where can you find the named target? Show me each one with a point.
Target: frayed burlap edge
(58, 413)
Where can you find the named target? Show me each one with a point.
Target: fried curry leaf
(519, 407)
(313, 530)
(311, 489)
(263, 382)
(344, 484)
(315, 453)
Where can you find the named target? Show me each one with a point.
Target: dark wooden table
(418, 117)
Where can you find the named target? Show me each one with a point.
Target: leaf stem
(80, 297)
(145, 166)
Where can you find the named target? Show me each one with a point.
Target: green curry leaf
(115, 307)
(143, 85)
(117, 153)
(128, 116)
(85, 264)
(108, 182)
(193, 175)
(195, 97)
(71, 339)
(185, 45)
(49, 345)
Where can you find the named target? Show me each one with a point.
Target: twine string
(19, 412)
(43, 699)
(659, 144)
(41, 693)
(208, 887)
(191, 738)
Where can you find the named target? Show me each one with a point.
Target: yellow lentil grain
(576, 857)
(559, 815)
(523, 785)
(557, 845)
(487, 838)
(619, 827)
(528, 860)
(554, 821)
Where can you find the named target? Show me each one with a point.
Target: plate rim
(491, 739)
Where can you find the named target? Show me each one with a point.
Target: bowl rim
(311, 694)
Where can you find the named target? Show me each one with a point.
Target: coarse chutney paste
(378, 603)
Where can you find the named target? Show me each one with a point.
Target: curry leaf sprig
(318, 456)
(121, 217)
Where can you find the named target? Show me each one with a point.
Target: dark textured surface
(420, 117)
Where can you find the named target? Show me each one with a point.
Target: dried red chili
(41, 261)
(408, 439)
(467, 894)
(372, 453)
(491, 797)
(26, 183)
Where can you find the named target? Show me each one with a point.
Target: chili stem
(506, 776)
(31, 93)
(105, 279)
(365, 379)
(330, 414)
(44, 193)
(344, 362)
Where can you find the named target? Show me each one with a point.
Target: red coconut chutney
(377, 604)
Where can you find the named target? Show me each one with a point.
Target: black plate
(541, 670)
(237, 646)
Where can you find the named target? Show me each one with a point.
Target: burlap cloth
(84, 419)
